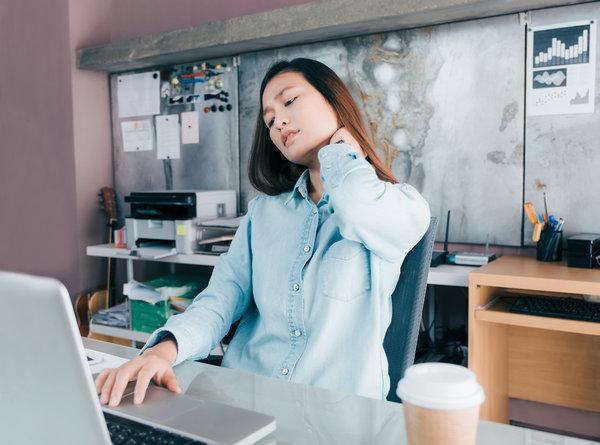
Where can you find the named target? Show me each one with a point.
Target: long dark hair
(269, 171)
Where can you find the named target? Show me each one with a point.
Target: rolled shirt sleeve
(208, 319)
(389, 219)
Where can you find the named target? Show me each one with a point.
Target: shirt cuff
(185, 348)
(337, 160)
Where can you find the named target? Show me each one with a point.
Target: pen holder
(550, 245)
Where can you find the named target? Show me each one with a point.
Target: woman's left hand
(343, 134)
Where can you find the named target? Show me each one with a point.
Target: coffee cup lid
(440, 386)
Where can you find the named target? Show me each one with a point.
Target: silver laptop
(47, 394)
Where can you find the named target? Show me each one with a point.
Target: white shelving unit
(110, 251)
(444, 275)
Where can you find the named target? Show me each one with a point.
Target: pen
(545, 207)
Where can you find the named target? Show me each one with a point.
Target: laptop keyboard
(128, 432)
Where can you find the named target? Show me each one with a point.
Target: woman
(313, 265)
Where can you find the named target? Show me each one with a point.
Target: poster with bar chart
(561, 65)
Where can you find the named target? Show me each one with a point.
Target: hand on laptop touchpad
(159, 404)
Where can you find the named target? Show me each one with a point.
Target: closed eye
(289, 102)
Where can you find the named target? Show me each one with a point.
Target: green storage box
(146, 317)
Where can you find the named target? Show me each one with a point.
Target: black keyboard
(571, 308)
(129, 432)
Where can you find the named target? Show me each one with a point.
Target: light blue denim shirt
(312, 284)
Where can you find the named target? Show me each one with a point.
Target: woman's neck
(315, 186)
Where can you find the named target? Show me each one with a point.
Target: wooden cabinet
(542, 359)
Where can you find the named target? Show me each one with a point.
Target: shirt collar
(300, 187)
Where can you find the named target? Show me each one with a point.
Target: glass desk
(310, 415)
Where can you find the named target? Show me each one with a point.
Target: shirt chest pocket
(345, 274)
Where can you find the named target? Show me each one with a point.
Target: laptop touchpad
(159, 405)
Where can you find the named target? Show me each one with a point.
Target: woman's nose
(281, 122)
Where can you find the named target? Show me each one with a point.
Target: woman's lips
(290, 138)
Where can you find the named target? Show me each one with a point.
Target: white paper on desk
(167, 136)
(139, 94)
(137, 135)
(103, 361)
(189, 128)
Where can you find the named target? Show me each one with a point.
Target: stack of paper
(172, 287)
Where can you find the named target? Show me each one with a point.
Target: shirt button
(296, 287)
(285, 371)
(297, 333)
(306, 248)
(315, 211)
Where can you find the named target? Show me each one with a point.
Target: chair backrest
(400, 341)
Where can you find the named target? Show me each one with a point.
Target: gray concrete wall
(563, 151)
(445, 105)
(435, 117)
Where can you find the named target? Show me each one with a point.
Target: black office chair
(400, 342)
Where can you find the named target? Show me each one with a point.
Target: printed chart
(561, 61)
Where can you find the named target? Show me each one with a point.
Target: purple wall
(38, 214)
(132, 18)
(90, 25)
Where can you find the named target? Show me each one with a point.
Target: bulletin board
(199, 100)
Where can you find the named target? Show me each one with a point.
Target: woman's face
(299, 119)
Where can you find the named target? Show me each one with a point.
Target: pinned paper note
(139, 94)
(189, 128)
(167, 136)
(137, 135)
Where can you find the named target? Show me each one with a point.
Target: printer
(165, 223)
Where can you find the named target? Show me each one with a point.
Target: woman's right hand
(154, 364)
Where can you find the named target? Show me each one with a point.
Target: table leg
(431, 314)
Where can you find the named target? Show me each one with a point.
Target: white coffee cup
(441, 404)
